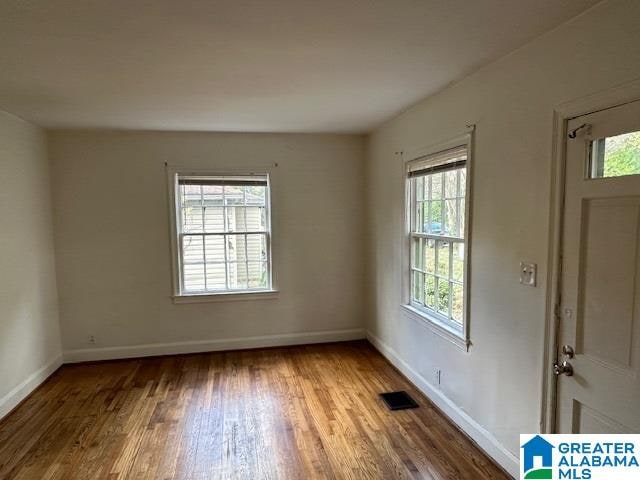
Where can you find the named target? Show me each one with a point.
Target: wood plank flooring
(288, 413)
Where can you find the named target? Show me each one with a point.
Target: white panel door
(600, 303)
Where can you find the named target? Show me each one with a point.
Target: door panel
(600, 289)
(608, 271)
(588, 420)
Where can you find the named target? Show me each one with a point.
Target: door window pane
(615, 156)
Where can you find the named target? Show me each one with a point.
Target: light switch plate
(528, 273)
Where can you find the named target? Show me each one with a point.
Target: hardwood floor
(287, 413)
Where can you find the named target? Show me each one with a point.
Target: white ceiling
(249, 65)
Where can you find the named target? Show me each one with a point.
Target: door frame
(562, 114)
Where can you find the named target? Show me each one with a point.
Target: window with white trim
(222, 234)
(437, 235)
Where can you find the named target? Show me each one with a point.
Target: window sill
(226, 297)
(436, 326)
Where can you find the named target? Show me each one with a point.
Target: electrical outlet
(92, 339)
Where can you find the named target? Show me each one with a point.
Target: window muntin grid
(437, 237)
(223, 234)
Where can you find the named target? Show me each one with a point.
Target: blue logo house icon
(537, 447)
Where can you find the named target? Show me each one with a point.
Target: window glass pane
(451, 184)
(430, 256)
(236, 248)
(257, 274)
(193, 277)
(214, 219)
(450, 218)
(435, 223)
(237, 275)
(236, 219)
(216, 276)
(418, 185)
(233, 195)
(417, 256)
(191, 195)
(461, 214)
(436, 186)
(256, 248)
(430, 291)
(192, 251)
(443, 297)
(256, 195)
(443, 259)
(457, 270)
(457, 302)
(212, 195)
(418, 291)
(214, 249)
(616, 156)
(255, 218)
(192, 219)
(420, 215)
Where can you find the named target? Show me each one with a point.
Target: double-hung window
(222, 234)
(438, 213)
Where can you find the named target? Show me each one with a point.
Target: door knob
(563, 368)
(568, 351)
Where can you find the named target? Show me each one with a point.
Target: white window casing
(437, 238)
(220, 235)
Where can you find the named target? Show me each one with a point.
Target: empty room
(338, 239)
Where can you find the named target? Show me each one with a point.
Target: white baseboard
(485, 440)
(33, 381)
(481, 436)
(198, 346)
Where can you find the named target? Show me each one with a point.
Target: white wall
(112, 241)
(496, 387)
(29, 333)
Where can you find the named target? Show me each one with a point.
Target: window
(615, 156)
(222, 234)
(438, 257)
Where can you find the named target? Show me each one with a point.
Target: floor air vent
(398, 400)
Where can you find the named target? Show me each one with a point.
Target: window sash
(424, 282)
(450, 280)
(264, 262)
(458, 199)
